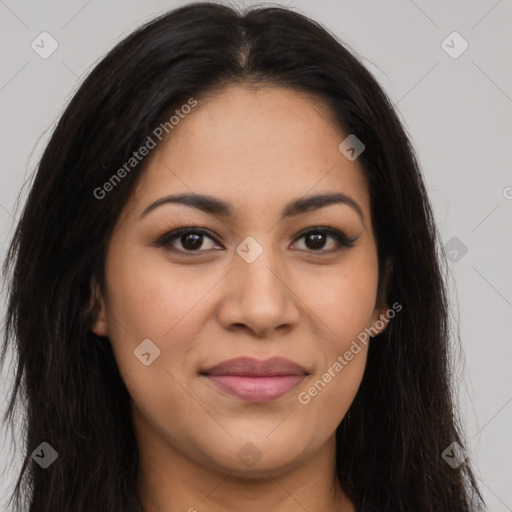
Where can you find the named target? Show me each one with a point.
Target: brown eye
(190, 240)
(315, 239)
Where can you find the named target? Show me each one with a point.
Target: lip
(255, 380)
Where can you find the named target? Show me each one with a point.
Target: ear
(99, 325)
(380, 319)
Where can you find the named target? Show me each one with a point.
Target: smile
(253, 380)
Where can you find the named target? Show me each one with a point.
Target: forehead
(263, 145)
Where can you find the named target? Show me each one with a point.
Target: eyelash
(343, 241)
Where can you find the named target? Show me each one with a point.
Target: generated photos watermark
(342, 360)
(145, 149)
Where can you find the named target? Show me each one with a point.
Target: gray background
(457, 112)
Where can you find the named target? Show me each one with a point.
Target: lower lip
(256, 389)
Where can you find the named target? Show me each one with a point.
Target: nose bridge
(258, 296)
(257, 264)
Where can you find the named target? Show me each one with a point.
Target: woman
(224, 289)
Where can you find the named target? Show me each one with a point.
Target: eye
(316, 238)
(190, 239)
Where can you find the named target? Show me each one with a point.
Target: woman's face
(254, 286)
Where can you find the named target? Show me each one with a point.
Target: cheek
(147, 301)
(150, 298)
(342, 298)
(325, 400)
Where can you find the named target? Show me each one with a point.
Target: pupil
(191, 241)
(316, 239)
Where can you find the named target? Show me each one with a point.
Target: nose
(258, 297)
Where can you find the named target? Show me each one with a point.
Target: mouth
(253, 380)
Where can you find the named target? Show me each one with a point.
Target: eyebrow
(216, 206)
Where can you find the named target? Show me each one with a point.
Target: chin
(256, 457)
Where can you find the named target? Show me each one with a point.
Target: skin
(256, 149)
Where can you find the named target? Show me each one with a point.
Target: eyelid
(165, 239)
(343, 240)
(340, 237)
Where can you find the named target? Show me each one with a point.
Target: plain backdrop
(456, 106)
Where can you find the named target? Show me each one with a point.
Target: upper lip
(251, 367)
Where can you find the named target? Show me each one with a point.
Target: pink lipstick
(254, 380)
